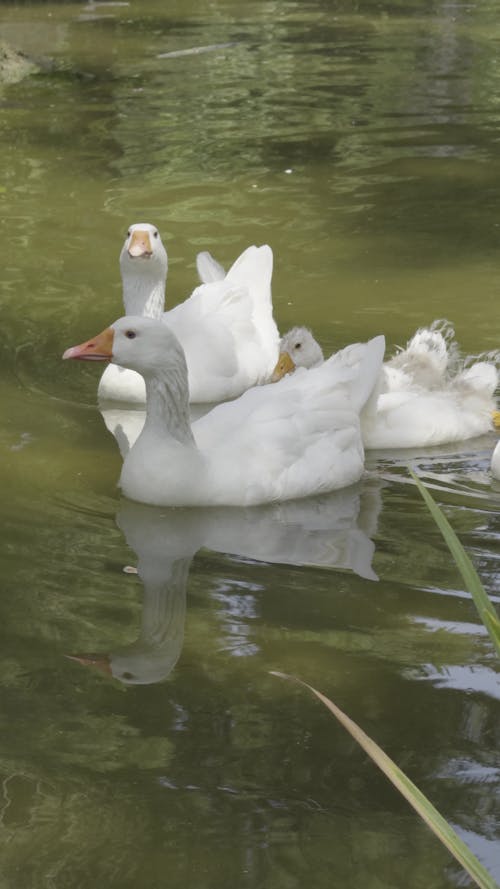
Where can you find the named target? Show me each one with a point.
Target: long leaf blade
(470, 576)
(409, 790)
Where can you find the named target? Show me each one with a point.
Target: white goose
(425, 395)
(274, 443)
(225, 327)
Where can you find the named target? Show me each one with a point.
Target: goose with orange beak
(139, 243)
(298, 438)
(226, 327)
(425, 396)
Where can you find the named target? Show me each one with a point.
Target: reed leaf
(470, 576)
(415, 797)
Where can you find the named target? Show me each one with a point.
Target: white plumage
(425, 395)
(495, 462)
(277, 442)
(226, 326)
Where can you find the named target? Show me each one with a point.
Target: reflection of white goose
(425, 396)
(165, 545)
(332, 531)
(327, 532)
(296, 439)
(225, 327)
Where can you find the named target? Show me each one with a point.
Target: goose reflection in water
(332, 531)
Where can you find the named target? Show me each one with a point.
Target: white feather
(276, 442)
(226, 327)
(209, 270)
(425, 395)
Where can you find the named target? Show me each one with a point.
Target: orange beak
(284, 366)
(99, 661)
(100, 348)
(140, 245)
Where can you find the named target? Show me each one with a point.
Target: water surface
(361, 142)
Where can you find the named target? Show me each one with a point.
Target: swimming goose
(425, 395)
(226, 326)
(291, 440)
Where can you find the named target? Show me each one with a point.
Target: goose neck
(143, 295)
(167, 398)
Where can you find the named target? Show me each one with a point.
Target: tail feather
(425, 358)
(366, 359)
(481, 377)
(491, 357)
(209, 270)
(254, 269)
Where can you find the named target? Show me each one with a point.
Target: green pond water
(361, 140)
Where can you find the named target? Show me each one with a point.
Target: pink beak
(99, 348)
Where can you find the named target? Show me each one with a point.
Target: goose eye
(298, 346)
(130, 334)
(129, 233)
(155, 234)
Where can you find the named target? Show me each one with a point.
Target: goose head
(298, 348)
(143, 251)
(143, 267)
(141, 344)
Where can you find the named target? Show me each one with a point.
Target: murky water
(361, 141)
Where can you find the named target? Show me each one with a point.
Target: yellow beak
(284, 366)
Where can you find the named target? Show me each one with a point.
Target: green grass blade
(471, 578)
(415, 797)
